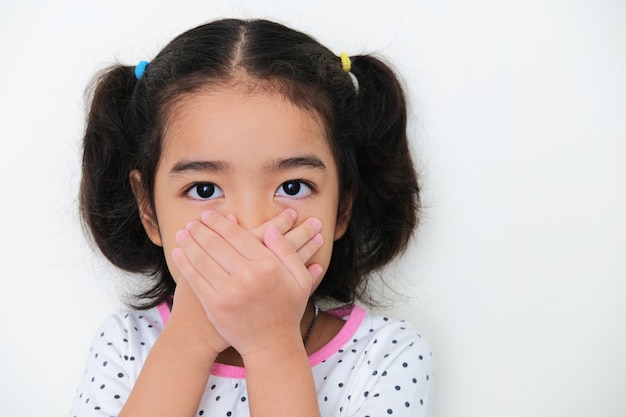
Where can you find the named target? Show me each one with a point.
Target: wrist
(190, 341)
(277, 349)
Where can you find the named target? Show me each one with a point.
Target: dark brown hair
(366, 126)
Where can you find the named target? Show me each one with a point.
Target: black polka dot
(389, 411)
(404, 365)
(120, 375)
(398, 388)
(407, 405)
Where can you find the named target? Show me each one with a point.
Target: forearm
(281, 384)
(173, 378)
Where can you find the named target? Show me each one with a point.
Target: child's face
(251, 155)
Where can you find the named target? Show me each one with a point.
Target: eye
(204, 191)
(297, 189)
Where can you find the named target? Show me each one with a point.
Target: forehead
(235, 120)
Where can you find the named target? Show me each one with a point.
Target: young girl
(250, 174)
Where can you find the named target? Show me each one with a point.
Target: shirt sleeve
(396, 379)
(117, 352)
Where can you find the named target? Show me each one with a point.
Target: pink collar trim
(352, 314)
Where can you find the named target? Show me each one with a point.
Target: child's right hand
(254, 292)
(187, 308)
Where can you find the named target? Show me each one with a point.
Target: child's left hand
(253, 292)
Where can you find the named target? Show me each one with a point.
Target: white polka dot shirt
(375, 366)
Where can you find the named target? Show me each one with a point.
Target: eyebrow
(306, 161)
(201, 166)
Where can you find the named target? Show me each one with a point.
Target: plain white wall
(518, 277)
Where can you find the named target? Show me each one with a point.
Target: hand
(305, 238)
(253, 292)
(191, 321)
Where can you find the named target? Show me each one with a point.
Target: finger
(237, 237)
(283, 222)
(316, 274)
(301, 238)
(215, 247)
(195, 264)
(190, 274)
(308, 250)
(289, 257)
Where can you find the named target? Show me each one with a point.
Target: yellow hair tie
(346, 64)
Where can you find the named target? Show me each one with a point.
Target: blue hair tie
(140, 69)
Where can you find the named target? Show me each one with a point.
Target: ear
(343, 216)
(148, 217)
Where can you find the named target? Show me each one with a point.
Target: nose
(252, 211)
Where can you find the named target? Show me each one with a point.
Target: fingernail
(181, 235)
(316, 224)
(272, 231)
(177, 253)
(316, 270)
(292, 213)
(318, 239)
(206, 214)
(191, 224)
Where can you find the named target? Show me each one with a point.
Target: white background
(518, 276)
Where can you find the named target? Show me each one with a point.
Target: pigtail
(107, 203)
(387, 198)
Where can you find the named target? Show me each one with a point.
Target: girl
(249, 174)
